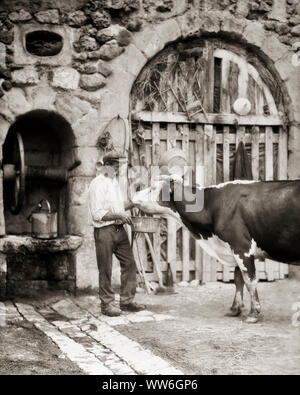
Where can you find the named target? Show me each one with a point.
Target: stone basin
(29, 245)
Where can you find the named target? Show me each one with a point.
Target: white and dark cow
(240, 221)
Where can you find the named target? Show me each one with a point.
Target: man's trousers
(109, 240)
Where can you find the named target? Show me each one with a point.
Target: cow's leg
(251, 283)
(238, 304)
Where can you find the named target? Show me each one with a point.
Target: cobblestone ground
(89, 339)
(181, 333)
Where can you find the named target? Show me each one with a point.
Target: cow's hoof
(251, 320)
(234, 313)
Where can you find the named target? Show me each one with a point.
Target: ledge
(29, 245)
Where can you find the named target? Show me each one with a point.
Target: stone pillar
(3, 272)
(278, 11)
(87, 276)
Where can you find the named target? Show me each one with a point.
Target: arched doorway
(188, 97)
(37, 159)
(47, 140)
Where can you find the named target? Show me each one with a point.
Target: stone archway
(48, 140)
(185, 98)
(147, 43)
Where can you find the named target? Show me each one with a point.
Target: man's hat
(114, 157)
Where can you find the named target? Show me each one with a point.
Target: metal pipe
(47, 173)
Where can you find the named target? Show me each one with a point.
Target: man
(107, 207)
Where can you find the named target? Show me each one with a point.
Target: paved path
(90, 339)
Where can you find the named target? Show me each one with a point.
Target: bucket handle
(40, 205)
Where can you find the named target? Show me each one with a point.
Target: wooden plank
(209, 118)
(213, 161)
(155, 158)
(185, 139)
(255, 153)
(185, 232)
(171, 136)
(282, 155)
(270, 269)
(282, 271)
(259, 100)
(200, 181)
(226, 154)
(171, 223)
(269, 153)
(208, 180)
(208, 135)
(243, 82)
(260, 270)
(226, 174)
(209, 81)
(225, 96)
(240, 135)
(185, 254)
(155, 143)
(276, 270)
(219, 138)
(269, 176)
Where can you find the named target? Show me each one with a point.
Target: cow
(238, 222)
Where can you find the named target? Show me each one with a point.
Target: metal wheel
(17, 185)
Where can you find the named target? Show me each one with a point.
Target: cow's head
(179, 196)
(168, 195)
(158, 198)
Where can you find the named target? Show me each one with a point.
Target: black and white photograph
(149, 190)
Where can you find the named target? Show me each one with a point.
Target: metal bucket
(43, 222)
(145, 224)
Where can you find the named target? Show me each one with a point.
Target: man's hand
(125, 219)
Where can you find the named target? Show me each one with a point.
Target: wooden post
(171, 241)
(226, 172)
(270, 265)
(200, 181)
(214, 263)
(155, 159)
(269, 153)
(185, 232)
(225, 95)
(208, 103)
(282, 175)
(208, 135)
(255, 153)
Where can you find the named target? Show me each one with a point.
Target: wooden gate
(184, 98)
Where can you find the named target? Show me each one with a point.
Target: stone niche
(43, 43)
(48, 140)
(35, 265)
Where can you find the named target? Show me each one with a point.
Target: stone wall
(33, 275)
(106, 44)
